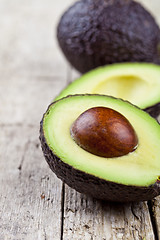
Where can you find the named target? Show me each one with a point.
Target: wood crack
(17, 125)
(45, 235)
(153, 219)
(62, 209)
(23, 157)
(133, 212)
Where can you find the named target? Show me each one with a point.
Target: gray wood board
(34, 204)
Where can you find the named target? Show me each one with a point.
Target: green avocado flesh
(138, 168)
(139, 83)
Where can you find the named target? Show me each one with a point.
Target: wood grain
(86, 218)
(33, 202)
(30, 195)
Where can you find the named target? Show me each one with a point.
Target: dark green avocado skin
(154, 111)
(93, 33)
(94, 186)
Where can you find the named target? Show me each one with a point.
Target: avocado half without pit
(103, 146)
(138, 83)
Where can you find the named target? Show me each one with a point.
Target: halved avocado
(138, 83)
(131, 177)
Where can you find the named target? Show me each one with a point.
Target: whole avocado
(93, 33)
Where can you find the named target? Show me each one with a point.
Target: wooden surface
(34, 203)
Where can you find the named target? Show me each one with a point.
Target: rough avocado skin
(92, 33)
(96, 187)
(154, 111)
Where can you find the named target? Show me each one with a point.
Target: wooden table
(34, 203)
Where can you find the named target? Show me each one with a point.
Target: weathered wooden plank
(33, 71)
(28, 38)
(24, 100)
(30, 196)
(86, 218)
(156, 215)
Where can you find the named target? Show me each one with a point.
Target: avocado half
(93, 33)
(138, 83)
(132, 177)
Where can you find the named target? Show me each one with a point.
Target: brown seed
(104, 132)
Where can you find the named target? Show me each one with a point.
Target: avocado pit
(104, 132)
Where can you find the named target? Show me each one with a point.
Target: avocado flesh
(139, 168)
(138, 83)
(93, 33)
